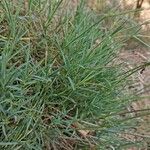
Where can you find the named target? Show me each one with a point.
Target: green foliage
(57, 71)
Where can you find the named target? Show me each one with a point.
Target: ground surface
(137, 53)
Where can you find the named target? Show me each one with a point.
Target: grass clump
(60, 86)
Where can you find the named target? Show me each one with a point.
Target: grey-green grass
(58, 70)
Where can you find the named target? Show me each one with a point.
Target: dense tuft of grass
(59, 77)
